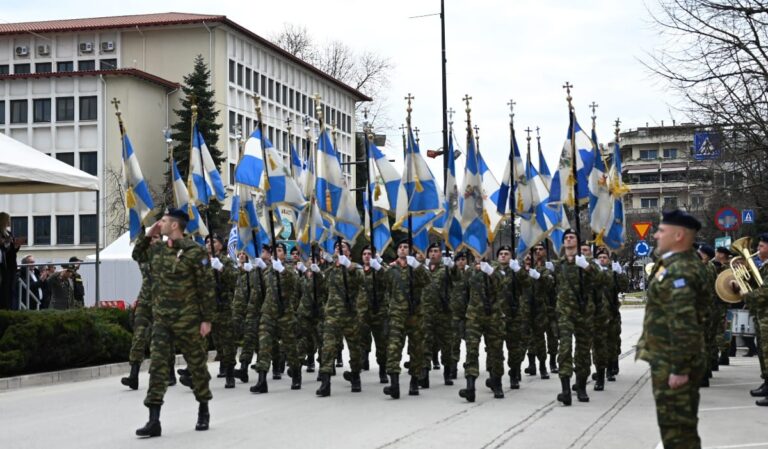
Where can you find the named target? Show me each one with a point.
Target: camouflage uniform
(437, 316)
(618, 284)
(343, 311)
(536, 296)
(278, 323)
(142, 318)
(459, 302)
(222, 330)
(182, 298)
(243, 289)
(708, 305)
(602, 316)
(672, 342)
(374, 324)
(553, 334)
(62, 293)
(517, 315)
(485, 318)
(253, 317)
(757, 301)
(310, 315)
(405, 316)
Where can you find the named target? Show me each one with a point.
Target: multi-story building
(57, 79)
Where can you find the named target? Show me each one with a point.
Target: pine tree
(197, 90)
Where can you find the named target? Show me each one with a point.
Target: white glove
(375, 264)
(616, 267)
(412, 262)
(300, 266)
(314, 268)
(581, 262)
(277, 265)
(448, 262)
(514, 265)
(486, 268)
(534, 274)
(216, 264)
(343, 260)
(248, 267)
(379, 259)
(549, 266)
(327, 257)
(260, 263)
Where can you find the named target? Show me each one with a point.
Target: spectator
(47, 271)
(32, 281)
(9, 246)
(77, 282)
(62, 289)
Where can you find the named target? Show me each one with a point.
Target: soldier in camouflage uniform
(757, 301)
(485, 319)
(516, 312)
(343, 313)
(183, 306)
(545, 267)
(459, 301)
(437, 314)
(310, 313)
(672, 341)
(719, 321)
(601, 343)
(223, 331)
(278, 321)
(575, 277)
(242, 295)
(535, 296)
(405, 280)
(706, 253)
(62, 293)
(258, 290)
(373, 327)
(619, 283)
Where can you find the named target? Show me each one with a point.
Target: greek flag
(600, 201)
(514, 172)
(615, 235)
(250, 169)
(298, 165)
(556, 211)
(195, 225)
(138, 200)
(384, 183)
(204, 178)
(452, 234)
(474, 221)
(420, 197)
(245, 220)
(563, 181)
(232, 244)
(332, 194)
(538, 219)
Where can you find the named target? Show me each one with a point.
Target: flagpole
(257, 106)
(409, 109)
(574, 173)
(538, 147)
(339, 239)
(290, 144)
(367, 139)
(511, 199)
(310, 220)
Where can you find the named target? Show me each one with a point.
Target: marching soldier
(223, 332)
(672, 341)
(706, 253)
(546, 268)
(258, 291)
(437, 314)
(183, 307)
(310, 312)
(722, 262)
(459, 301)
(601, 343)
(242, 295)
(535, 295)
(374, 324)
(515, 312)
(757, 300)
(619, 283)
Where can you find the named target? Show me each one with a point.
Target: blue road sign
(747, 216)
(727, 219)
(642, 249)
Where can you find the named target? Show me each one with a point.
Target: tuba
(743, 271)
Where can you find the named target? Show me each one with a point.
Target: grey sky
(497, 50)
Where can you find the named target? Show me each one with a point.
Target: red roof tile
(117, 72)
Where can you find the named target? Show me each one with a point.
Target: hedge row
(50, 340)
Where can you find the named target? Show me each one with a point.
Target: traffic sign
(723, 241)
(727, 219)
(641, 248)
(747, 216)
(641, 228)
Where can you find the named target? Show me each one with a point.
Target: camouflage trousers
(573, 323)
(184, 332)
(142, 330)
(552, 331)
(250, 337)
(516, 335)
(761, 325)
(458, 327)
(677, 410)
(402, 325)
(600, 350)
(614, 335)
(538, 325)
(274, 330)
(335, 330)
(491, 327)
(310, 341)
(374, 329)
(438, 336)
(239, 314)
(223, 334)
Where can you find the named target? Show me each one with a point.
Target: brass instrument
(743, 271)
(649, 268)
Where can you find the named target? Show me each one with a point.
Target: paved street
(103, 414)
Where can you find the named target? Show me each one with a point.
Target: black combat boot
(514, 379)
(222, 371)
(171, 378)
(553, 364)
(203, 416)
(762, 390)
(230, 377)
(600, 380)
(393, 389)
(713, 364)
(469, 392)
(543, 368)
(581, 389)
(310, 363)
(455, 371)
(182, 372)
(749, 342)
(242, 373)
(132, 381)
(353, 377)
(413, 388)
(724, 359)
(383, 374)
(339, 360)
(424, 380)
(366, 363)
(447, 375)
(186, 380)
(704, 382)
(295, 375)
(762, 402)
(435, 361)
(531, 369)
(277, 373)
(325, 386)
(609, 373)
(498, 391)
(261, 384)
(152, 428)
(565, 395)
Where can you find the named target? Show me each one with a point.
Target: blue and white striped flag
(384, 183)
(600, 201)
(138, 200)
(615, 236)
(195, 224)
(420, 198)
(332, 193)
(204, 180)
(474, 224)
(451, 225)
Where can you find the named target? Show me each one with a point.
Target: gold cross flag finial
(409, 98)
(568, 86)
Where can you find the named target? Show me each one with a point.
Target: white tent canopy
(24, 169)
(120, 274)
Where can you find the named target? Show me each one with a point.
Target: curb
(8, 384)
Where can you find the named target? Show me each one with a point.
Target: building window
(649, 203)
(232, 122)
(271, 93)
(232, 168)
(240, 75)
(88, 108)
(670, 202)
(41, 110)
(4, 69)
(67, 158)
(19, 227)
(65, 109)
(65, 66)
(20, 69)
(697, 201)
(86, 65)
(263, 85)
(231, 71)
(285, 95)
(43, 67)
(2, 112)
(108, 64)
(65, 229)
(19, 111)
(255, 82)
(88, 228)
(649, 154)
(42, 229)
(670, 153)
(248, 79)
(88, 162)
(277, 92)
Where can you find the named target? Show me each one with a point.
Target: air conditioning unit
(86, 47)
(107, 46)
(44, 50)
(22, 50)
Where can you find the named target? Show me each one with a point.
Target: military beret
(763, 237)
(404, 241)
(600, 251)
(178, 214)
(433, 245)
(459, 255)
(503, 248)
(266, 247)
(295, 249)
(282, 246)
(681, 218)
(708, 250)
(367, 247)
(569, 231)
(724, 250)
